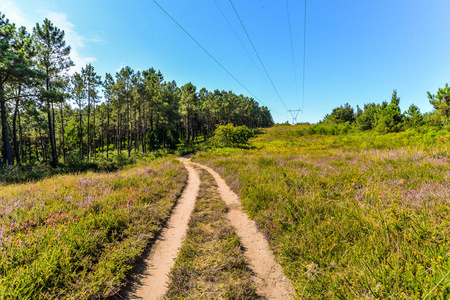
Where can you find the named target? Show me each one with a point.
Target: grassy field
(77, 236)
(352, 216)
(211, 264)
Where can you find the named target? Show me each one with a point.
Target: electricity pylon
(294, 114)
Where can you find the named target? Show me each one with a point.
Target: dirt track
(165, 250)
(268, 276)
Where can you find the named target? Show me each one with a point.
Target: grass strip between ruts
(210, 264)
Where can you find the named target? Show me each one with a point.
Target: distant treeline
(47, 114)
(387, 116)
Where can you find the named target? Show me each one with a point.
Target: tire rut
(161, 259)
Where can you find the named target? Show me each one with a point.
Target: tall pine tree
(53, 61)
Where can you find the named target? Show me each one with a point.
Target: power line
(239, 39)
(304, 60)
(206, 51)
(231, 2)
(292, 48)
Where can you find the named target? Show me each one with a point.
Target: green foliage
(173, 138)
(35, 88)
(16, 55)
(74, 160)
(38, 170)
(328, 129)
(441, 104)
(383, 118)
(413, 118)
(150, 139)
(367, 119)
(231, 136)
(341, 114)
(389, 116)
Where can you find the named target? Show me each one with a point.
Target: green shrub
(413, 118)
(231, 136)
(341, 114)
(367, 119)
(328, 129)
(73, 159)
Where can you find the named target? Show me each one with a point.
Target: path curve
(269, 278)
(162, 256)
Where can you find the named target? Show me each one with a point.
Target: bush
(341, 114)
(231, 136)
(413, 118)
(368, 118)
(329, 129)
(73, 159)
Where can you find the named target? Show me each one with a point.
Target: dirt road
(268, 276)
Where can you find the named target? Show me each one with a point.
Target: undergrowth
(38, 170)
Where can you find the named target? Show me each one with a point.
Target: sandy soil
(162, 256)
(269, 278)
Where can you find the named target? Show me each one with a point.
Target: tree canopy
(52, 115)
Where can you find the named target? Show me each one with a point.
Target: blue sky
(356, 51)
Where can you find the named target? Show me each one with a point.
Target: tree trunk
(54, 161)
(22, 152)
(107, 135)
(118, 131)
(36, 146)
(16, 146)
(62, 133)
(128, 129)
(88, 126)
(5, 137)
(41, 141)
(6, 145)
(93, 135)
(54, 126)
(136, 127)
(81, 136)
(102, 144)
(144, 128)
(187, 127)
(29, 150)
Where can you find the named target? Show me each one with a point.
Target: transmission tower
(294, 114)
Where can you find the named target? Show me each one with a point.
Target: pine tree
(91, 81)
(441, 104)
(124, 90)
(78, 95)
(15, 68)
(109, 85)
(53, 61)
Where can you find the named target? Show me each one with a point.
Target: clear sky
(357, 51)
